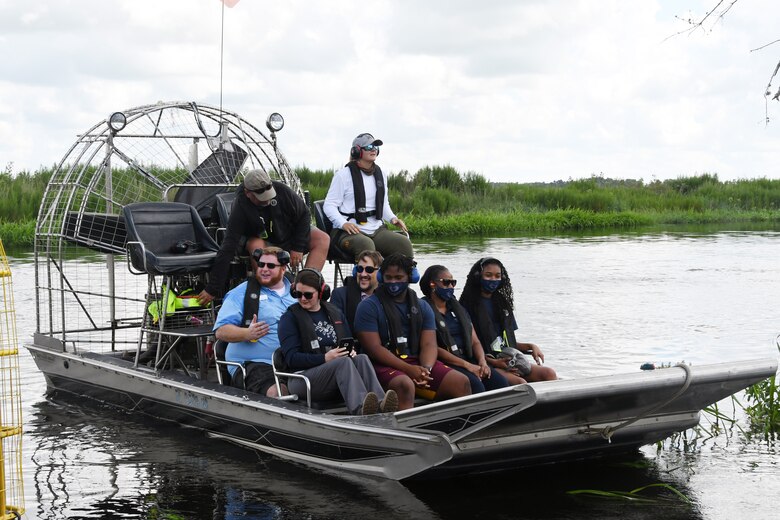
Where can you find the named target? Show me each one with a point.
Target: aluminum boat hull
(502, 429)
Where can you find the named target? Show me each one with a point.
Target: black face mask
(396, 288)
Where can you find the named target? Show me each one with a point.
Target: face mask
(445, 293)
(490, 285)
(396, 288)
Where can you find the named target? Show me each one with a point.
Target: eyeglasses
(260, 191)
(447, 282)
(370, 147)
(302, 294)
(369, 269)
(269, 265)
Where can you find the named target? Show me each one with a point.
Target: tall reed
(441, 201)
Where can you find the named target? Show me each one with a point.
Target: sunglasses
(369, 269)
(269, 265)
(370, 147)
(447, 282)
(302, 294)
(260, 191)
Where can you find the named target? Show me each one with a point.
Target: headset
(283, 257)
(486, 260)
(324, 290)
(356, 152)
(413, 278)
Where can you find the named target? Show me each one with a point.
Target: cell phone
(347, 343)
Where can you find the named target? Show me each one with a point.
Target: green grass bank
(441, 201)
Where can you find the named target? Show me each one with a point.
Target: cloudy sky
(517, 91)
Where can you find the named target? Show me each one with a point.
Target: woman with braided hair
(489, 299)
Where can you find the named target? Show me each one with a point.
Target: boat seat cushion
(159, 226)
(335, 254)
(224, 206)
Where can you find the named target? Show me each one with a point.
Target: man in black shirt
(267, 212)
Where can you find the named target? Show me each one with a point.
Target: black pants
(259, 377)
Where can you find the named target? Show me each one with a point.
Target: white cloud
(526, 91)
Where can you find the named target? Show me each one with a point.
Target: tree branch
(719, 14)
(764, 46)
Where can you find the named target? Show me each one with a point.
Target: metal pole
(110, 256)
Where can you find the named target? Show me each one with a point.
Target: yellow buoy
(11, 493)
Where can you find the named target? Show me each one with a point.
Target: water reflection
(102, 464)
(544, 492)
(596, 303)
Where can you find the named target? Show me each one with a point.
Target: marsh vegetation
(441, 201)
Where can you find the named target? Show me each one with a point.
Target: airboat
(149, 177)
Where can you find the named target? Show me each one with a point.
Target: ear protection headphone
(356, 152)
(324, 290)
(283, 257)
(413, 278)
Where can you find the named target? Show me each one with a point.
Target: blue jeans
(495, 381)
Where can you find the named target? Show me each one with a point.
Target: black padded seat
(323, 223)
(224, 205)
(223, 374)
(154, 228)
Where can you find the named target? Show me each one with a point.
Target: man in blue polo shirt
(248, 321)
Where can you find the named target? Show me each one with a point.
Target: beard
(273, 280)
(366, 284)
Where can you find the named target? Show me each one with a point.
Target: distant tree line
(436, 192)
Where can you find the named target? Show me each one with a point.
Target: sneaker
(390, 402)
(370, 404)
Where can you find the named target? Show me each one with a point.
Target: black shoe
(147, 355)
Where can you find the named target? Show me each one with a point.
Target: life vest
(173, 302)
(360, 214)
(411, 347)
(493, 341)
(354, 297)
(306, 325)
(443, 337)
(251, 300)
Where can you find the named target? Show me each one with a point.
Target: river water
(595, 304)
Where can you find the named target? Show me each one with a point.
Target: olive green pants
(383, 240)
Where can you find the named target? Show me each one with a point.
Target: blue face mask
(490, 285)
(396, 288)
(445, 293)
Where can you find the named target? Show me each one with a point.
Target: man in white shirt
(358, 204)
